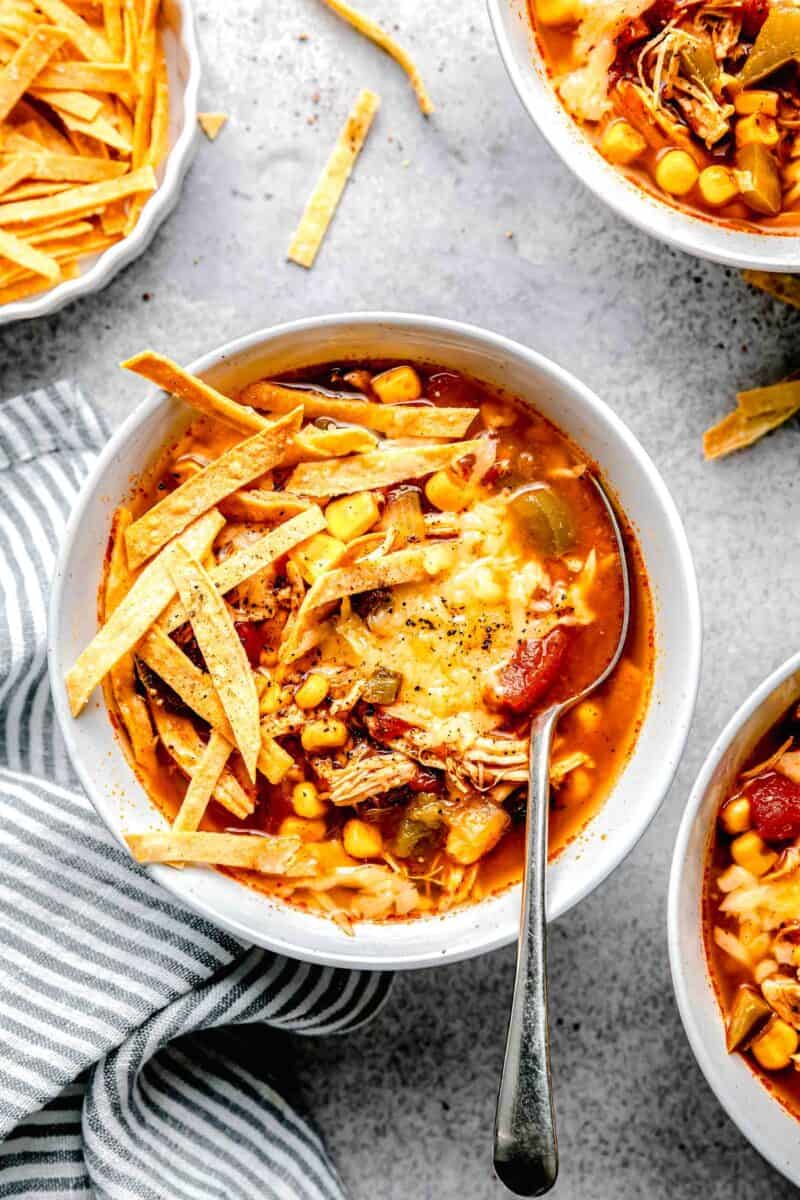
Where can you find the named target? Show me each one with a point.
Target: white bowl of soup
(685, 128)
(442, 567)
(734, 919)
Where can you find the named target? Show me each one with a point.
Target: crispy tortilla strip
(14, 169)
(737, 431)
(132, 708)
(77, 104)
(380, 37)
(316, 445)
(78, 201)
(182, 741)
(130, 621)
(757, 402)
(244, 563)
(783, 287)
(61, 234)
(325, 198)
(26, 256)
(237, 466)
(29, 191)
(223, 652)
(206, 399)
(380, 468)
(204, 780)
(211, 124)
(100, 129)
(87, 77)
(91, 44)
(112, 20)
(195, 687)
(31, 285)
(254, 504)
(18, 74)
(250, 851)
(403, 566)
(71, 167)
(395, 420)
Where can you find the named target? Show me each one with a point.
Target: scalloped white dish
(183, 64)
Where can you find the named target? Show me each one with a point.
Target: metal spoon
(525, 1145)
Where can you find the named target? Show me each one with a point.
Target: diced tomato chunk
(530, 672)
(426, 781)
(754, 14)
(384, 727)
(775, 807)
(253, 635)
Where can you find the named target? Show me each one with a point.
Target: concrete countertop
(470, 215)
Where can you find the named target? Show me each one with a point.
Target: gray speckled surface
(407, 1104)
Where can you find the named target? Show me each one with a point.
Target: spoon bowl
(525, 1143)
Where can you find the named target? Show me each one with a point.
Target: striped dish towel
(108, 1087)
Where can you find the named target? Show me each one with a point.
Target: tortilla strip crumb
(211, 124)
(324, 199)
(373, 31)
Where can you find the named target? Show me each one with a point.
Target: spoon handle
(525, 1147)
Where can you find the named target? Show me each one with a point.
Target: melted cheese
(444, 636)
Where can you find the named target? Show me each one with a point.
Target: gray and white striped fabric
(108, 1087)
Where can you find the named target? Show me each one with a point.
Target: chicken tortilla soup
(330, 611)
(752, 911)
(696, 100)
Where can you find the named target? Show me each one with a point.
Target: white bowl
(183, 65)
(703, 237)
(749, 1103)
(120, 800)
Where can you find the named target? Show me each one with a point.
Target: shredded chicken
(368, 773)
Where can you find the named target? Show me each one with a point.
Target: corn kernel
(271, 699)
(557, 12)
(579, 783)
(735, 815)
(312, 691)
(262, 683)
(397, 385)
(791, 172)
(750, 852)
(362, 840)
(324, 734)
(676, 172)
(758, 127)
(589, 716)
(306, 800)
(774, 1048)
(316, 555)
(717, 186)
(446, 492)
(350, 516)
(621, 143)
(746, 103)
(307, 831)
